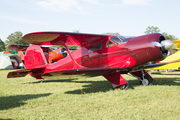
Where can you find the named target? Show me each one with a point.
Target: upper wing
(60, 38)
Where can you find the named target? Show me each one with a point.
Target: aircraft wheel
(146, 81)
(125, 86)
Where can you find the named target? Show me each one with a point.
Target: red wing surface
(60, 38)
(18, 47)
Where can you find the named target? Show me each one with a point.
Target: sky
(127, 17)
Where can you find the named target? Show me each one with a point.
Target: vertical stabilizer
(34, 57)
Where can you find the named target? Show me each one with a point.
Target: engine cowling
(152, 47)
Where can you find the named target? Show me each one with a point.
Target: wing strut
(76, 65)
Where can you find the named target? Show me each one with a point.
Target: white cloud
(91, 1)
(17, 19)
(57, 5)
(137, 2)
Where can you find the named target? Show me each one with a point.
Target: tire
(125, 86)
(147, 81)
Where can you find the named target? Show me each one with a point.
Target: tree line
(16, 37)
(13, 39)
(152, 29)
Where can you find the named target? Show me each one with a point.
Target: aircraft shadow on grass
(90, 87)
(10, 102)
(51, 81)
(103, 85)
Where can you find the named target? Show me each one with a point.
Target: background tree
(109, 33)
(152, 29)
(2, 45)
(169, 37)
(15, 39)
(76, 31)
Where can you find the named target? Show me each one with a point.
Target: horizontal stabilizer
(35, 72)
(18, 73)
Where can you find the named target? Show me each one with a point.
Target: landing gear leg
(42, 81)
(117, 80)
(144, 77)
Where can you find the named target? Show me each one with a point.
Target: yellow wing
(173, 57)
(177, 42)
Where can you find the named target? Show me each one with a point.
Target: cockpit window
(95, 47)
(117, 39)
(109, 44)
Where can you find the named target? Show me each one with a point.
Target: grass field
(27, 98)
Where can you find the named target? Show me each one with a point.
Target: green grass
(27, 98)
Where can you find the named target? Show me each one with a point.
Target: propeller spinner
(165, 45)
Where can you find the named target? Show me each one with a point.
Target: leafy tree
(76, 31)
(152, 29)
(109, 33)
(169, 37)
(2, 45)
(15, 39)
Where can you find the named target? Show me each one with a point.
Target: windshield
(118, 39)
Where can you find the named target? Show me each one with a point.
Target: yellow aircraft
(172, 59)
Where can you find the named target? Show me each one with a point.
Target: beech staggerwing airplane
(106, 55)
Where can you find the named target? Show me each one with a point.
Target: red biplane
(106, 55)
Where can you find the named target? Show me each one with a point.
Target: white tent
(9, 61)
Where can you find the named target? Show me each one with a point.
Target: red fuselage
(106, 55)
(128, 55)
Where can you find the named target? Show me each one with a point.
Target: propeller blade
(156, 44)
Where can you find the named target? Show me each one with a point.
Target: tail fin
(34, 57)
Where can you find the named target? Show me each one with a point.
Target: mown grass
(27, 98)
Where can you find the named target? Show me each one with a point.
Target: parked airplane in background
(106, 55)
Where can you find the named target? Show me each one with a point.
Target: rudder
(34, 57)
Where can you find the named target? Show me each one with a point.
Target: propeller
(165, 45)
